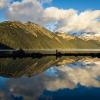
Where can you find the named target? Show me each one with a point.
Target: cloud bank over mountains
(67, 20)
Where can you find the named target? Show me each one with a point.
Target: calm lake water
(48, 78)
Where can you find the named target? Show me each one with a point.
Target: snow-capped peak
(88, 35)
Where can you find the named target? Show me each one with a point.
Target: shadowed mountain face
(10, 67)
(33, 36)
(2, 46)
(27, 66)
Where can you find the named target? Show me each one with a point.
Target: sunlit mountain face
(49, 77)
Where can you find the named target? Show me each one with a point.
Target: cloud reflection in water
(85, 71)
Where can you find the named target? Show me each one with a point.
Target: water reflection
(49, 78)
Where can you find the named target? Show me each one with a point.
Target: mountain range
(29, 35)
(87, 35)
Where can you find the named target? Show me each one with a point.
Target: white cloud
(27, 10)
(4, 3)
(86, 21)
(53, 14)
(59, 16)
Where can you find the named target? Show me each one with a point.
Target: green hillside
(33, 36)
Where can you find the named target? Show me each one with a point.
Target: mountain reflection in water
(49, 78)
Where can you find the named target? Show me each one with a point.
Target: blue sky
(2, 15)
(77, 4)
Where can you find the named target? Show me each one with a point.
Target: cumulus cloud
(84, 21)
(4, 3)
(27, 10)
(53, 14)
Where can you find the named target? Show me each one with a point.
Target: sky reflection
(83, 73)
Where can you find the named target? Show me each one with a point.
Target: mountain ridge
(87, 36)
(33, 36)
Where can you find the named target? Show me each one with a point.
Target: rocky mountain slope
(32, 36)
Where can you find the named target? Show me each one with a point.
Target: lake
(50, 78)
